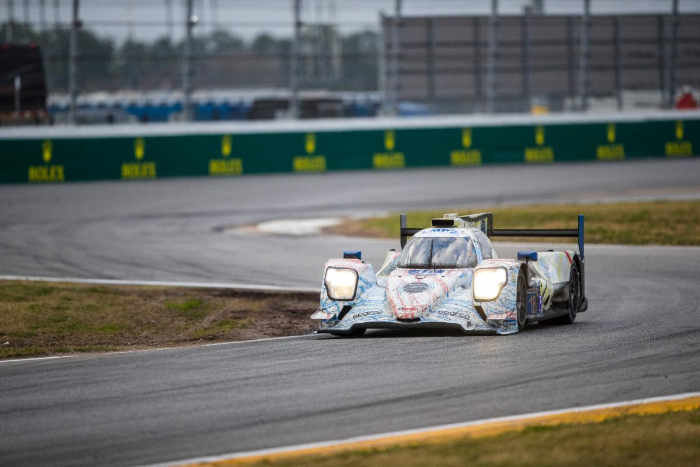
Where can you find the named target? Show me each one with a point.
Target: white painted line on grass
(208, 285)
(31, 359)
(262, 288)
(327, 444)
(265, 339)
(298, 227)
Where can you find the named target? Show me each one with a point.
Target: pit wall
(65, 154)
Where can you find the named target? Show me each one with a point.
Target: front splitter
(430, 325)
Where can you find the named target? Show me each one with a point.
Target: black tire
(521, 302)
(574, 303)
(353, 333)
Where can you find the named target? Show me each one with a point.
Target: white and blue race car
(449, 276)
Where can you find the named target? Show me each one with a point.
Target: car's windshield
(438, 253)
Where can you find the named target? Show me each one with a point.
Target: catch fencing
(161, 60)
(537, 60)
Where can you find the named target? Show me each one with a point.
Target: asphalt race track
(640, 337)
(172, 229)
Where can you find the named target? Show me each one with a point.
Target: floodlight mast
(10, 20)
(294, 63)
(491, 66)
(191, 21)
(73, 65)
(583, 68)
(674, 55)
(395, 58)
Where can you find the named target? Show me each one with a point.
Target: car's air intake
(443, 222)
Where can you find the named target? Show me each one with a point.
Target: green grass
(39, 318)
(671, 439)
(192, 308)
(639, 223)
(223, 327)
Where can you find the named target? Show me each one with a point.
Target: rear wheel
(521, 305)
(574, 303)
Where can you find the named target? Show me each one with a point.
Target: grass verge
(649, 440)
(40, 318)
(637, 223)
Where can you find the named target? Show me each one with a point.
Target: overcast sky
(148, 19)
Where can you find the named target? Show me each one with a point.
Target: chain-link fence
(152, 60)
(631, 61)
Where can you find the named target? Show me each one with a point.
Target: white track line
(211, 285)
(208, 285)
(30, 359)
(109, 354)
(327, 444)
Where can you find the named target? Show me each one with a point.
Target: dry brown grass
(640, 223)
(671, 439)
(39, 318)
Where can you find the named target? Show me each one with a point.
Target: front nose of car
(410, 312)
(411, 298)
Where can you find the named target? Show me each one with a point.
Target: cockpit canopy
(438, 253)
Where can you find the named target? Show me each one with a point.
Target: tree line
(220, 59)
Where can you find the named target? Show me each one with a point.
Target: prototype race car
(449, 276)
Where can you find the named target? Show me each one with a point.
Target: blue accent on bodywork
(580, 235)
(531, 255)
(352, 254)
(534, 304)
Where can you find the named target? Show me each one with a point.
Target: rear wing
(560, 233)
(406, 232)
(485, 223)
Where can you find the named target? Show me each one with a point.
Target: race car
(448, 276)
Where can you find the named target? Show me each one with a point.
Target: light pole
(73, 66)
(191, 20)
(493, 57)
(395, 57)
(527, 68)
(381, 63)
(674, 55)
(294, 62)
(18, 89)
(583, 70)
(10, 20)
(169, 18)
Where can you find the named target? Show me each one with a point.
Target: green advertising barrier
(146, 156)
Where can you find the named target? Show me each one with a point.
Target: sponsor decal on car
(447, 231)
(454, 314)
(416, 287)
(364, 314)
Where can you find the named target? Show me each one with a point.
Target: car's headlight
(488, 283)
(341, 283)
